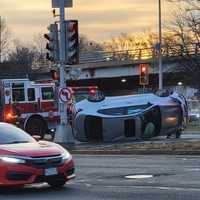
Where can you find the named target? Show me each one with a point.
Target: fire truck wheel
(36, 126)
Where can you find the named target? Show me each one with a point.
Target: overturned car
(135, 116)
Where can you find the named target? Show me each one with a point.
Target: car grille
(45, 162)
(18, 176)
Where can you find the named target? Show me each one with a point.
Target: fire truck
(30, 105)
(33, 106)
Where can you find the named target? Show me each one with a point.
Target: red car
(23, 160)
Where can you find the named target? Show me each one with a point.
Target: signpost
(63, 131)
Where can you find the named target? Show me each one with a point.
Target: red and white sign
(65, 94)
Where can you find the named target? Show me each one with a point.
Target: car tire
(178, 133)
(36, 126)
(57, 184)
(168, 135)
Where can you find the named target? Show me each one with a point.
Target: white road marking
(138, 176)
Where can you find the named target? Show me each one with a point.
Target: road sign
(65, 94)
(56, 3)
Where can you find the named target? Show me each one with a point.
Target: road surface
(104, 178)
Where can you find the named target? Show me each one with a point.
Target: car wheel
(36, 126)
(178, 133)
(168, 135)
(57, 184)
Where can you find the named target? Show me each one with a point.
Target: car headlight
(12, 160)
(65, 156)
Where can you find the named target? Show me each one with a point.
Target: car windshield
(9, 134)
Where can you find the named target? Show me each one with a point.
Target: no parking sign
(65, 94)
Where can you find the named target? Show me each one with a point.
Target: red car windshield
(9, 134)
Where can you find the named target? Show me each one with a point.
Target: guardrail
(140, 54)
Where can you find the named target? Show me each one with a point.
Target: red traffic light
(72, 26)
(72, 48)
(144, 74)
(54, 75)
(144, 69)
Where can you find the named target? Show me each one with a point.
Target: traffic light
(72, 42)
(52, 45)
(54, 75)
(144, 74)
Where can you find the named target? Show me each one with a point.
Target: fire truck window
(18, 95)
(47, 93)
(31, 94)
(18, 92)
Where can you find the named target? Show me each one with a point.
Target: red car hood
(37, 149)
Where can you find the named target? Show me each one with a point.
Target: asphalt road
(103, 177)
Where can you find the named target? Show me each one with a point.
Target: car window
(125, 110)
(10, 134)
(136, 109)
(113, 111)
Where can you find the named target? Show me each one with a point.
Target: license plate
(51, 172)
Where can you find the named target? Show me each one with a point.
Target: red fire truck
(28, 104)
(33, 106)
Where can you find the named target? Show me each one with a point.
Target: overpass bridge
(120, 70)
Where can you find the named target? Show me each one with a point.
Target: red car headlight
(8, 159)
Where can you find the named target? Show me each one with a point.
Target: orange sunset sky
(98, 19)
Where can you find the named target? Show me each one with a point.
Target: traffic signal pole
(63, 132)
(62, 59)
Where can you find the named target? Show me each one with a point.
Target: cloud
(97, 19)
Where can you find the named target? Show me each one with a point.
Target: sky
(98, 19)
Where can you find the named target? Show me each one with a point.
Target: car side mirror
(37, 137)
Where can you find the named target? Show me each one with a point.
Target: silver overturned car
(100, 119)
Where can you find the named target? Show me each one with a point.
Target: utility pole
(160, 46)
(62, 57)
(0, 40)
(63, 132)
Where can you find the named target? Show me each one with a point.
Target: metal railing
(139, 54)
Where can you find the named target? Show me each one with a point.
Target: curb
(134, 152)
(190, 147)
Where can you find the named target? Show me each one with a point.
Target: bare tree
(4, 39)
(39, 47)
(22, 55)
(132, 46)
(185, 29)
(86, 45)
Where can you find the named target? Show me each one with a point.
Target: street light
(179, 83)
(123, 80)
(160, 45)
